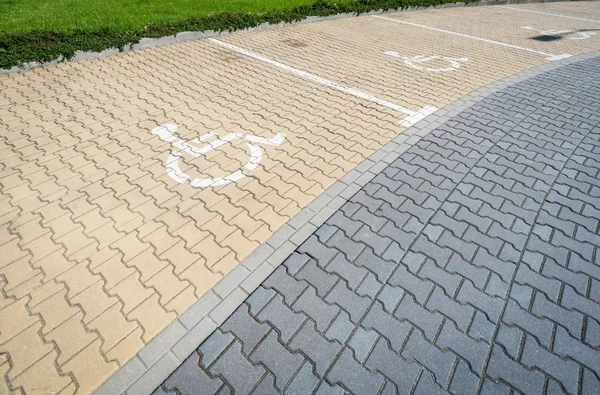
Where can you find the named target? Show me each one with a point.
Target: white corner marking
(412, 116)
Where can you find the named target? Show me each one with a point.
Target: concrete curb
(159, 358)
(194, 35)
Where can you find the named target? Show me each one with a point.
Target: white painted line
(551, 14)
(412, 116)
(549, 56)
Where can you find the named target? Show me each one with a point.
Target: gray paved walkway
(469, 265)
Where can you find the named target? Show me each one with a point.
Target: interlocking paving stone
(477, 300)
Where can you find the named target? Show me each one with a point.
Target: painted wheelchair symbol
(416, 62)
(568, 34)
(167, 133)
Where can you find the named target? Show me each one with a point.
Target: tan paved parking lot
(119, 210)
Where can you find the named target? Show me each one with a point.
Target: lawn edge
(23, 51)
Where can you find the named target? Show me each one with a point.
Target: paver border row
(159, 358)
(194, 35)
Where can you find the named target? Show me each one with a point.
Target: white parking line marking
(412, 116)
(549, 56)
(551, 14)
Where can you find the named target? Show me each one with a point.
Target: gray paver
(277, 359)
(436, 361)
(402, 373)
(304, 382)
(214, 346)
(313, 306)
(320, 351)
(469, 264)
(245, 328)
(464, 382)
(234, 367)
(317, 277)
(353, 376)
(266, 386)
(394, 330)
(259, 299)
(354, 304)
(390, 296)
(340, 328)
(281, 317)
(188, 378)
(361, 342)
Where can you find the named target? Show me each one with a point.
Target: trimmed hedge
(45, 46)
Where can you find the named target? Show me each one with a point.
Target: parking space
(396, 62)
(133, 183)
(547, 34)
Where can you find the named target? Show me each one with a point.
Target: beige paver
(70, 337)
(102, 248)
(565, 9)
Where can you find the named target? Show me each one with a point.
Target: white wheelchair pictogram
(568, 34)
(167, 133)
(417, 62)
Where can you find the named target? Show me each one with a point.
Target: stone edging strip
(159, 358)
(194, 35)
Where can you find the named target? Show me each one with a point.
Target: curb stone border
(194, 35)
(162, 355)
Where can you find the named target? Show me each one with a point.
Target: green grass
(18, 16)
(33, 31)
